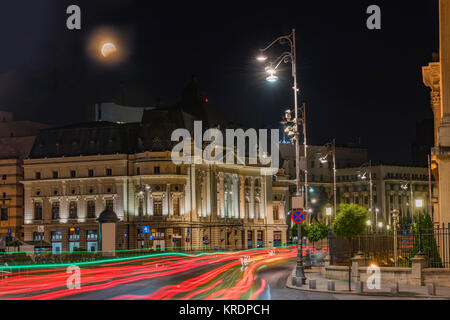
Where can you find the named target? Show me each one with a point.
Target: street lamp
(328, 212)
(364, 170)
(331, 149)
(405, 186)
(293, 125)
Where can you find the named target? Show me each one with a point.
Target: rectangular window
(312, 164)
(38, 211)
(109, 172)
(176, 206)
(38, 176)
(92, 235)
(91, 209)
(73, 174)
(74, 234)
(55, 174)
(178, 170)
(73, 210)
(275, 213)
(277, 238)
(90, 173)
(138, 171)
(3, 176)
(57, 236)
(38, 236)
(110, 204)
(156, 170)
(4, 214)
(157, 206)
(55, 210)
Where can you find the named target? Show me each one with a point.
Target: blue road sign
(145, 229)
(298, 216)
(9, 233)
(188, 230)
(151, 237)
(404, 232)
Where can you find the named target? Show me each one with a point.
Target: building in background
(112, 112)
(16, 140)
(393, 187)
(75, 173)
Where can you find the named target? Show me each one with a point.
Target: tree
(424, 228)
(317, 232)
(294, 230)
(350, 221)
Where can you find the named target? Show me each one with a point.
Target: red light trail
(223, 276)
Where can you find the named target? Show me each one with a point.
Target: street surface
(244, 275)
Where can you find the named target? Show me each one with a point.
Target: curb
(381, 294)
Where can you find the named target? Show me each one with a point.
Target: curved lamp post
(292, 128)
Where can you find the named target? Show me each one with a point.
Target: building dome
(107, 216)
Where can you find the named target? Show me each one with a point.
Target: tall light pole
(292, 128)
(362, 173)
(331, 149)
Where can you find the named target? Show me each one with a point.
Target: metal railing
(379, 248)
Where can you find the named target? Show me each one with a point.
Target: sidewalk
(341, 287)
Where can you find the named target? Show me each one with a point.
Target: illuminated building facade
(76, 172)
(436, 76)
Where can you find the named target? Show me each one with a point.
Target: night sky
(357, 83)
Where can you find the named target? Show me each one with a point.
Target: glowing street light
(271, 70)
(261, 57)
(419, 203)
(272, 78)
(369, 223)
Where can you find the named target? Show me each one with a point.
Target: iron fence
(380, 248)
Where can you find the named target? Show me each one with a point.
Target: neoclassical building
(76, 172)
(436, 76)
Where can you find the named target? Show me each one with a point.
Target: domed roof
(108, 216)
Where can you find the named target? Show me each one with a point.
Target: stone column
(208, 192)
(357, 261)
(119, 200)
(252, 198)
(419, 262)
(242, 197)
(166, 201)
(221, 195)
(236, 196)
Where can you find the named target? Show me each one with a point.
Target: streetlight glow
(328, 211)
(261, 58)
(369, 223)
(272, 78)
(419, 203)
(270, 70)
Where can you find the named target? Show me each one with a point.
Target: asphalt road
(208, 277)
